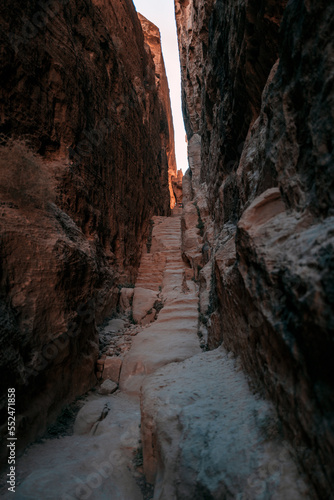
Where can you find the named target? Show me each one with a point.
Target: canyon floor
(184, 417)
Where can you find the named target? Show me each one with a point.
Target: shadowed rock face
(177, 186)
(153, 41)
(79, 87)
(258, 108)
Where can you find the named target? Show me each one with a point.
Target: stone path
(97, 461)
(186, 418)
(173, 336)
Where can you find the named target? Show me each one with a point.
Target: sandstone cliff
(177, 186)
(153, 41)
(258, 107)
(84, 166)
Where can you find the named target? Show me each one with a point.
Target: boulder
(125, 301)
(89, 415)
(112, 368)
(143, 302)
(108, 387)
(114, 326)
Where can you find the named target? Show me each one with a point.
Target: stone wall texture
(153, 43)
(84, 166)
(258, 97)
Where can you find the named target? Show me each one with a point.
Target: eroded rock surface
(258, 108)
(203, 432)
(103, 457)
(205, 435)
(95, 462)
(153, 41)
(177, 186)
(75, 210)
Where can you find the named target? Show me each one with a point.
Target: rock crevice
(153, 42)
(86, 136)
(259, 115)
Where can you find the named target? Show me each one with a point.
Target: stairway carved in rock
(173, 336)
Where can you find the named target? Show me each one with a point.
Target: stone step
(151, 269)
(148, 270)
(145, 283)
(171, 316)
(181, 307)
(167, 234)
(151, 286)
(151, 266)
(173, 335)
(149, 277)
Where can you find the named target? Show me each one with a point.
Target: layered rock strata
(84, 166)
(153, 44)
(258, 108)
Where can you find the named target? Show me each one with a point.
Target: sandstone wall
(153, 41)
(177, 186)
(258, 106)
(79, 88)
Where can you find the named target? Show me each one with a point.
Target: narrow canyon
(166, 336)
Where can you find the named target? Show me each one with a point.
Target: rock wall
(258, 106)
(177, 186)
(153, 41)
(84, 166)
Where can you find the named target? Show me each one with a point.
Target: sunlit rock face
(177, 186)
(258, 108)
(79, 87)
(153, 43)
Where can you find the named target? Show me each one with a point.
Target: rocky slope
(153, 43)
(84, 166)
(258, 107)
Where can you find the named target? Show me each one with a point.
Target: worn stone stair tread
(173, 336)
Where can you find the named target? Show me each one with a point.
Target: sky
(161, 13)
